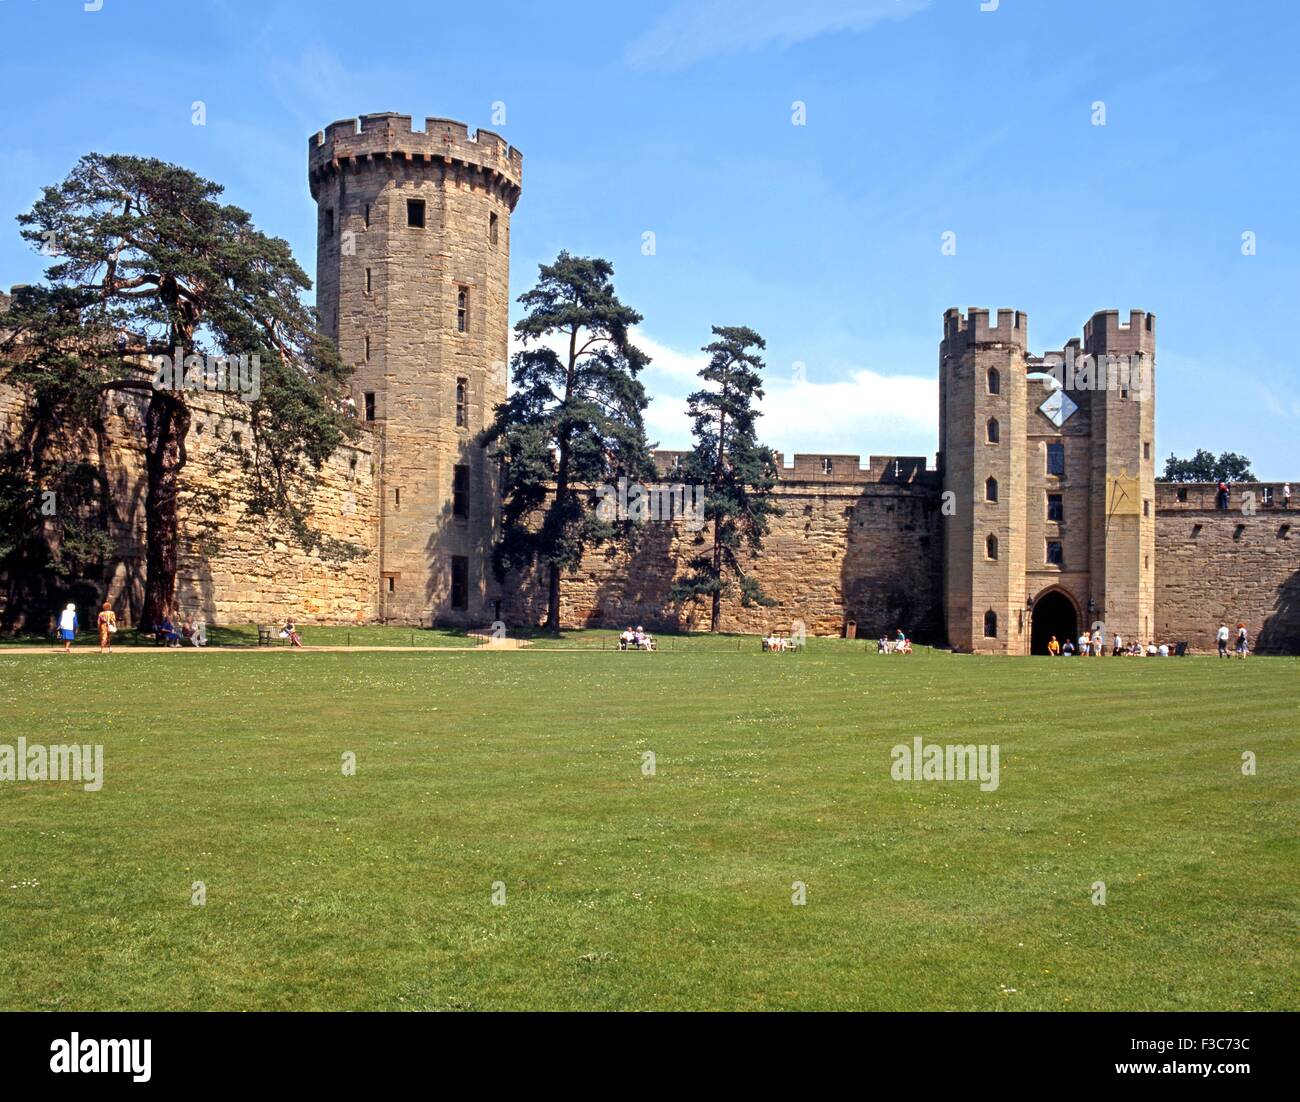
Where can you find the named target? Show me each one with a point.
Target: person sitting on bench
(627, 639)
(167, 633)
(643, 641)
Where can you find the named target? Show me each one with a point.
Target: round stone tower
(412, 281)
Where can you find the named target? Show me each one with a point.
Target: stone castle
(1041, 516)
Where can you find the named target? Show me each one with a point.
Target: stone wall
(863, 545)
(1217, 567)
(232, 568)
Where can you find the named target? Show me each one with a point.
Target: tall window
(369, 284)
(462, 403)
(995, 381)
(492, 228)
(460, 492)
(991, 490)
(991, 547)
(367, 348)
(367, 216)
(370, 405)
(1056, 459)
(990, 624)
(1055, 553)
(462, 309)
(327, 222)
(1055, 507)
(993, 430)
(459, 582)
(415, 213)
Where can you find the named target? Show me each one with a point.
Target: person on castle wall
(1221, 501)
(1054, 647)
(1221, 636)
(1243, 641)
(1286, 495)
(106, 621)
(68, 627)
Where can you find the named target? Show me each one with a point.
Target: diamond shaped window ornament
(1058, 407)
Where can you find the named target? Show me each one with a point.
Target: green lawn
(245, 635)
(673, 891)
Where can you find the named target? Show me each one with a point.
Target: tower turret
(413, 262)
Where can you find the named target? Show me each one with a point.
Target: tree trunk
(553, 601)
(166, 424)
(715, 617)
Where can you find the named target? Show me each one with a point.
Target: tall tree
(149, 262)
(1203, 467)
(574, 420)
(736, 471)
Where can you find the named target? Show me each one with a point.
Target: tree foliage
(737, 472)
(574, 421)
(1204, 467)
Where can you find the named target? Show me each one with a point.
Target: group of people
(1222, 496)
(774, 643)
(635, 640)
(193, 633)
(1093, 644)
(900, 644)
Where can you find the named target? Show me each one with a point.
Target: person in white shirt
(68, 627)
(1119, 646)
(1151, 650)
(1222, 636)
(1164, 650)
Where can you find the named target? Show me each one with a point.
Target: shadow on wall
(1280, 633)
(892, 570)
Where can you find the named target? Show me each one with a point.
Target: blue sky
(676, 118)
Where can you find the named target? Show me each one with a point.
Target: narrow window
(369, 284)
(1055, 507)
(991, 547)
(367, 348)
(990, 624)
(1238, 531)
(460, 492)
(1146, 507)
(1056, 460)
(392, 584)
(367, 216)
(993, 430)
(370, 405)
(1055, 553)
(459, 582)
(1146, 450)
(397, 496)
(462, 403)
(492, 228)
(462, 309)
(991, 490)
(415, 213)
(828, 467)
(995, 381)
(327, 222)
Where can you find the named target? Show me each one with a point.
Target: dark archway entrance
(1054, 614)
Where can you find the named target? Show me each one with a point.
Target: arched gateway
(1054, 613)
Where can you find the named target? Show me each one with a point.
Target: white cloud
(692, 30)
(858, 411)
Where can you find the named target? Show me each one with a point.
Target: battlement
(825, 467)
(1009, 327)
(1105, 333)
(388, 136)
(1192, 497)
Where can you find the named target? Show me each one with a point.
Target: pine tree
(574, 421)
(737, 473)
(148, 262)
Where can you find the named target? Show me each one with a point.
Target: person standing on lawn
(107, 623)
(68, 627)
